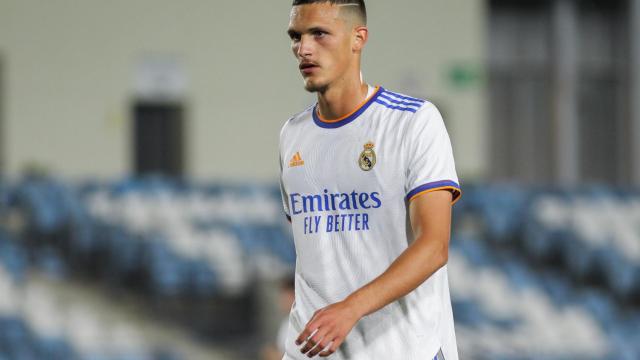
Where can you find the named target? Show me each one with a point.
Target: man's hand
(332, 323)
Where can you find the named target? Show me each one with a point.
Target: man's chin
(312, 87)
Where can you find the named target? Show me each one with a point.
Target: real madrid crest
(367, 157)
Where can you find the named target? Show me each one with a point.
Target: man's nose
(304, 46)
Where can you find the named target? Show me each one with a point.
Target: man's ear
(361, 35)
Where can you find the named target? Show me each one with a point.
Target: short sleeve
(284, 195)
(429, 157)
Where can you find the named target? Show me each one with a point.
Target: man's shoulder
(401, 102)
(297, 118)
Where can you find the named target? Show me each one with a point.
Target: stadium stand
(535, 273)
(36, 322)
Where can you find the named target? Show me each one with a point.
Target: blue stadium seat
(50, 261)
(167, 273)
(203, 281)
(12, 256)
(55, 349)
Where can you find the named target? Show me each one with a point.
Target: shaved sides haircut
(357, 6)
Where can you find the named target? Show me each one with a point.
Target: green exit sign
(464, 76)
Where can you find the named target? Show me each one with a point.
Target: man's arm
(430, 216)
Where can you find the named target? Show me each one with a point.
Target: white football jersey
(346, 185)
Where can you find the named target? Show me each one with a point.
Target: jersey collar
(336, 123)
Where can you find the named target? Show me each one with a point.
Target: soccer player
(368, 181)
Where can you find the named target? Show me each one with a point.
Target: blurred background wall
(74, 73)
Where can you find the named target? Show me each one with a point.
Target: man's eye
(319, 33)
(294, 37)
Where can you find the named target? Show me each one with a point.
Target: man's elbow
(442, 255)
(438, 250)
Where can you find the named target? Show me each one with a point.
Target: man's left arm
(430, 217)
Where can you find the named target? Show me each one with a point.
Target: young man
(368, 180)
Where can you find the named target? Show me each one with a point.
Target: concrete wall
(70, 68)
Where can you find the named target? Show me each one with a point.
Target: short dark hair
(359, 4)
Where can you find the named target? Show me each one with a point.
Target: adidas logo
(296, 160)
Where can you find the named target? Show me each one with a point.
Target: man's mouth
(307, 67)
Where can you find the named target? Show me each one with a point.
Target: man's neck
(339, 101)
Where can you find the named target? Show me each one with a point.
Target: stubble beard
(312, 87)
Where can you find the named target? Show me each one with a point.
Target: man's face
(321, 40)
